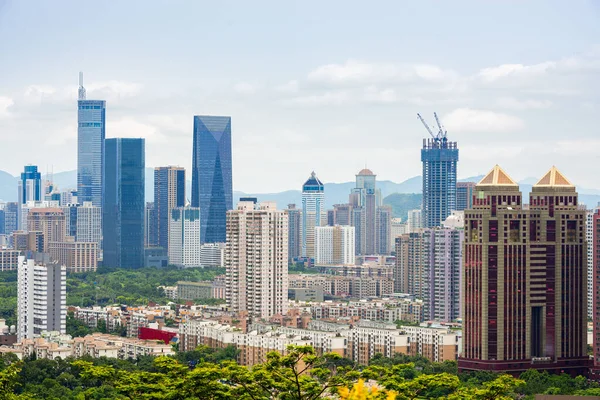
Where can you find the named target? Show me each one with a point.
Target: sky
(329, 86)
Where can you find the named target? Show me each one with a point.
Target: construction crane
(427, 127)
(442, 132)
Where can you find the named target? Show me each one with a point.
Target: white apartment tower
(313, 208)
(42, 298)
(256, 259)
(184, 237)
(334, 245)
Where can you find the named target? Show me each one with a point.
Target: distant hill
(402, 203)
(8, 187)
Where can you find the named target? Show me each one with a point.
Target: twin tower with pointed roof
(524, 289)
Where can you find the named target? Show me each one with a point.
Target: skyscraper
(184, 237)
(313, 205)
(123, 210)
(595, 245)
(30, 189)
(212, 189)
(50, 221)
(42, 300)
(91, 120)
(169, 193)
(256, 259)
(439, 157)
(89, 224)
(464, 195)
(334, 245)
(524, 277)
(294, 232)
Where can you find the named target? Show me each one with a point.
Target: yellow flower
(361, 392)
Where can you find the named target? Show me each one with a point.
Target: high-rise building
(91, 121)
(150, 228)
(256, 260)
(123, 209)
(334, 245)
(415, 220)
(294, 232)
(341, 215)
(464, 195)
(212, 255)
(383, 229)
(212, 189)
(397, 228)
(75, 256)
(68, 196)
(30, 189)
(89, 224)
(524, 277)
(595, 245)
(589, 238)
(313, 206)
(42, 298)
(70, 211)
(439, 157)
(10, 211)
(49, 221)
(184, 236)
(169, 193)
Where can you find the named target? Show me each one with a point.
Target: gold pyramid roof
(554, 178)
(497, 177)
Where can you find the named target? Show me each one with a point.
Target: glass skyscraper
(91, 117)
(30, 189)
(313, 205)
(123, 210)
(212, 189)
(439, 158)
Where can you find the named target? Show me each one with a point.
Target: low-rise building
(194, 290)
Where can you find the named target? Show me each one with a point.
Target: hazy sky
(323, 85)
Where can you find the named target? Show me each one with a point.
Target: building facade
(89, 224)
(91, 133)
(256, 260)
(334, 245)
(169, 193)
(42, 298)
(524, 278)
(313, 207)
(212, 189)
(50, 222)
(75, 256)
(123, 210)
(595, 245)
(30, 189)
(212, 255)
(184, 236)
(464, 195)
(294, 232)
(440, 158)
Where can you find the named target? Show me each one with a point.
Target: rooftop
(553, 178)
(497, 177)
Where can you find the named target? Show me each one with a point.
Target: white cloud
(493, 74)
(289, 87)
(5, 103)
(132, 128)
(112, 89)
(525, 104)
(375, 95)
(334, 97)
(37, 92)
(245, 88)
(473, 120)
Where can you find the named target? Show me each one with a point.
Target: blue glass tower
(212, 189)
(439, 157)
(123, 210)
(91, 117)
(30, 189)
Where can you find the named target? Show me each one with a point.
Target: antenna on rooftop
(81, 91)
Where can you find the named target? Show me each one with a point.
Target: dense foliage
(110, 286)
(298, 375)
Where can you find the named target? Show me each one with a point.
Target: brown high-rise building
(50, 221)
(524, 277)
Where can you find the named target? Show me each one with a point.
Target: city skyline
(487, 94)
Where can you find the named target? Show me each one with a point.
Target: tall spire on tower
(81, 91)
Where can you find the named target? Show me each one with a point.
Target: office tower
(464, 195)
(334, 245)
(184, 236)
(28, 241)
(169, 193)
(415, 220)
(313, 206)
(212, 255)
(30, 189)
(11, 212)
(91, 121)
(342, 215)
(42, 299)
(49, 221)
(383, 229)
(256, 259)
(358, 222)
(123, 209)
(595, 245)
(366, 183)
(2, 220)
(150, 228)
(366, 196)
(294, 232)
(439, 157)
(212, 189)
(524, 277)
(89, 224)
(75, 256)
(70, 212)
